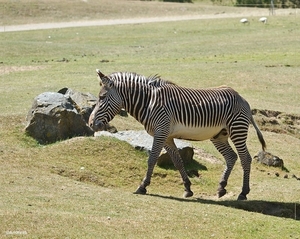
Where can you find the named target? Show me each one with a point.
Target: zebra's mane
(126, 77)
(157, 81)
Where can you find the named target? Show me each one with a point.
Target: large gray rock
(84, 103)
(54, 116)
(142, 141)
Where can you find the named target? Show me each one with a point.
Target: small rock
(269, 159)
(286, 176)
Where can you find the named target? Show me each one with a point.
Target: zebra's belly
(194, 133)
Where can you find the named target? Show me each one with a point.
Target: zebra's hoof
(188, 194)
(242, 197)
(141, 190)
(221, 192)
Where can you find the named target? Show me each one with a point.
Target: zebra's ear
(104, 80)
(100, 74)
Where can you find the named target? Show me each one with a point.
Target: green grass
(194, 53)
(82, 187)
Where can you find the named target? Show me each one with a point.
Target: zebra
(169, 111)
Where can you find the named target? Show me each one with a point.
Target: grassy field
(82, 187)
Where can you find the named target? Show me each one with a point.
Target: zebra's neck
(137, 92)
(136, 101)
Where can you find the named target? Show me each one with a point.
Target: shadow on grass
(277, 209)
(191, 167)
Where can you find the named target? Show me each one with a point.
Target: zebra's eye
(102, 97)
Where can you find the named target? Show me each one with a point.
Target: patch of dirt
(81, 175)
(278, 122)
(10, 69)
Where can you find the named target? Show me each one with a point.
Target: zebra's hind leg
(246, 164)
(222, 145)
(239, 136)
(176, 159)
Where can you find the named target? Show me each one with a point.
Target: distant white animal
(244, 21)
(263, 19)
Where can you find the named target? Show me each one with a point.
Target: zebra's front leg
(147, 180)
(176, 159)
(157, 146)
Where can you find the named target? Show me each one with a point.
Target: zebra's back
(199, 114)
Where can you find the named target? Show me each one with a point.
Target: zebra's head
(108, 105)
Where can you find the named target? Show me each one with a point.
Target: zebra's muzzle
(98, 126)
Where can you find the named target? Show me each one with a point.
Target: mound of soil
(277, 122)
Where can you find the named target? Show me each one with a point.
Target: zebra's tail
(259, 134)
